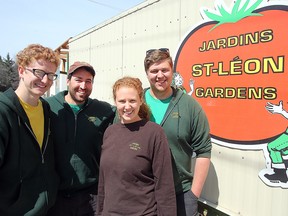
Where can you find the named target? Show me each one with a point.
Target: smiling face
(79, 86)
(160, 75)
(128, 104)
(31, 87)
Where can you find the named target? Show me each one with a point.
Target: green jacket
(28, 181)
(187, 130)
(78, 140)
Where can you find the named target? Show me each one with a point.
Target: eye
(121, 101)
(40, 72)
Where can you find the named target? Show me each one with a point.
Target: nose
(45, 78)
(127, 105)
(83, 85)
(160, 73)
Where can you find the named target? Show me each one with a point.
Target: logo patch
(135, 146)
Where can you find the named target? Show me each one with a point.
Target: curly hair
(144, 111)
(36, 52)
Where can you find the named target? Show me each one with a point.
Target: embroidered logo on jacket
(135, 146)
(175, 115)
(96, 121)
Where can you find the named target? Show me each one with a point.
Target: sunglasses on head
(160, 49)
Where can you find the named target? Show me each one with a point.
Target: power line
(105, 5)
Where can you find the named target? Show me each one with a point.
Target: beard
(77, 97)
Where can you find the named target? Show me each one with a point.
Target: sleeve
(163, 176)
(3, 136)
(100, 195)
(101, 191)
(200, 134)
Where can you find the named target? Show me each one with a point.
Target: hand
(273, 108)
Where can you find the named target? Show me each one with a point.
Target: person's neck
(161, 95)
(27, 98)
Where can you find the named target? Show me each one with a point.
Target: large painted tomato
(235, 70)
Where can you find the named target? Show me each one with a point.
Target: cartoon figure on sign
(177, 81)
(278, 150)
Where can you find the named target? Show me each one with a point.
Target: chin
(126, 121)
(161, 89)
(40, 93)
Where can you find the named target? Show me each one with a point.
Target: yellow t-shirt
(36, 118)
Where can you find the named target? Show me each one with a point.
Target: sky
(52, 22)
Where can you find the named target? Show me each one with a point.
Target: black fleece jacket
(28, 181)
(78, 140)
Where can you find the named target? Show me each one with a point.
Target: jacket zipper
(76, 119)
(46, 143)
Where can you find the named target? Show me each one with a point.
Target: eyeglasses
(166, 50)
(40, 74)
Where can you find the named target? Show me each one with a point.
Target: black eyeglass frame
(40, 74)
(166, 50)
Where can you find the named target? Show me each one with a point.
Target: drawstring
(20, 150)
(178, 122)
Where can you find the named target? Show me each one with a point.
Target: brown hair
(144, 111)
(156, 56)
(37, 52)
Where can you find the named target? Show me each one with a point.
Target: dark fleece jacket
(28, 181)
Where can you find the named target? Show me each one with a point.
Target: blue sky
(52, 22)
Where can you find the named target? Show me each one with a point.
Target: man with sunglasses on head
(186, 127)
(79, 123)
(28, 180)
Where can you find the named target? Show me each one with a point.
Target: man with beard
(78, 124)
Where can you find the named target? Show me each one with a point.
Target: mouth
(126, 113)
(161, 82)
(40, 85)
(81, 92)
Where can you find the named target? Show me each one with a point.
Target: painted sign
(235, 65)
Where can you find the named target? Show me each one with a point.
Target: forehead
(82, 73)
(124, 91)
(43, 65)
(160, 64)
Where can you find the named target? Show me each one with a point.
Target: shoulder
(101, 106)
(9, 100)
(99, 102)
(184, 98)
(154, 128)
(152, 124)
(58, 97)
(44, 102)
(112, 129)
(5, 102)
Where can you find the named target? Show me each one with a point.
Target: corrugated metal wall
(117, 48)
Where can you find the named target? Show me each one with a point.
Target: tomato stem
(223, 16)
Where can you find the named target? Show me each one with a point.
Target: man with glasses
(28, 181)
(186, 127)
(79, 123)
